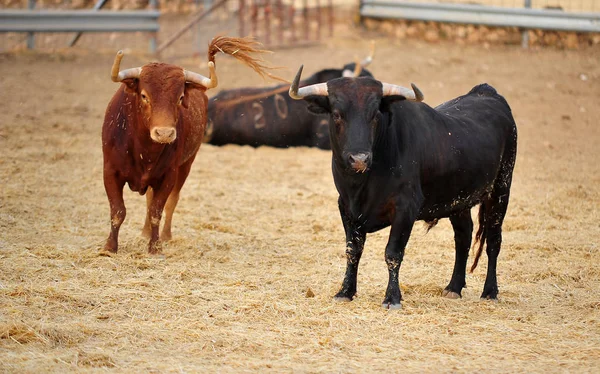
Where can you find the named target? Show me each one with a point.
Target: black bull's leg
(355, 241)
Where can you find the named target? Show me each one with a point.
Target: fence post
(267, 21)
(30, 35)
(241, 11)
(331, 20)
(305, 19)
(99, 4)
(525, 33)
(154, 35)
(318, 8)
(281, 21)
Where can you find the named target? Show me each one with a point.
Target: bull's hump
(484, 89)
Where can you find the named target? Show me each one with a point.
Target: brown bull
(153, 128)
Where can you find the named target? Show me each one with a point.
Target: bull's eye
(180, 100)
(145, 99)
(337, 119)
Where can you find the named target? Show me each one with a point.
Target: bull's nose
(163, 134)
(359, 161)
(359, 157)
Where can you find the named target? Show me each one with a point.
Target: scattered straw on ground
(258, 249)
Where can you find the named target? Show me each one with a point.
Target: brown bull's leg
(169, 209)
(114, 192)
(157, 205)
(147, 230)
(184, 171)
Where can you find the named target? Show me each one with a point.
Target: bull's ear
(318, 104)
(387, 101)
(186, 94)
(131, 85)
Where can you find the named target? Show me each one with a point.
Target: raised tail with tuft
(241, 49)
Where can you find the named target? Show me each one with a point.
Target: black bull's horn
(359, 65)
(320, 89)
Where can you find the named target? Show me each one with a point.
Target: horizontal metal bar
(549, 19)
(78, 21)
(99, 4)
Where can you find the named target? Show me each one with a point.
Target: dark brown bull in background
(153, 128)
(268, 116)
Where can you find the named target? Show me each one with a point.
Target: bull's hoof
(391, 306)
(110, 247)
(342, 299)
(155, 248)
(166, 236)
(105, 253)
(146, 233)
(489, 298)
(490, 293)
(344, 295)
(451, 295)
(157, 256)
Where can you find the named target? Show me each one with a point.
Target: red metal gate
(275, 23)
(279, 24)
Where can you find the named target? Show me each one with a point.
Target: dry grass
(257, 229)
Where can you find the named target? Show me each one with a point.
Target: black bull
(396, 161)
(268, 116)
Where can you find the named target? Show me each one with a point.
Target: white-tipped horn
(367, 61)
(319, 89)
(353, 73)
(200, 79)
(413, 94)
(357, 68)
(119, 76)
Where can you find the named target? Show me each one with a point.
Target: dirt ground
(257, 228)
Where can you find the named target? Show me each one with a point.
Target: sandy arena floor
(256, 228)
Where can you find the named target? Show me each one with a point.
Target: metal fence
(275, 23)
(34, 21)
(565, 5)
(559, 15)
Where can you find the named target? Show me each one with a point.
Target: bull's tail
(241, 49)
(481, 235)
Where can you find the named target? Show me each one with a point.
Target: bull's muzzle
(163, 135)
(360, 162)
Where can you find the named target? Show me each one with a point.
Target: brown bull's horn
(367, 61)
(119, 76)
(319, 89)
(392, 90)
(200, 79)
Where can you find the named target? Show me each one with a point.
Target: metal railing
(490, 15)
(47, 21)
(585, 6)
